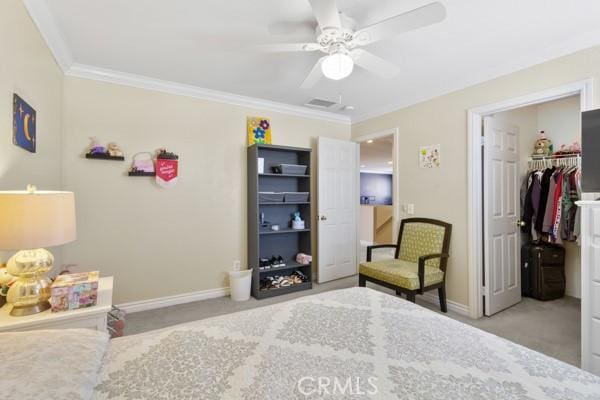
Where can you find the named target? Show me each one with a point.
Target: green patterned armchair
(420, 261)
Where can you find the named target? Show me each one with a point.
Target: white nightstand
(89, 318)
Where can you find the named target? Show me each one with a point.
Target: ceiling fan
(337, 38)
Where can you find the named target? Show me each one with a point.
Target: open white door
(502, 239)
(337, 208)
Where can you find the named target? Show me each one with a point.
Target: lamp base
(30, 293)
(22, 311)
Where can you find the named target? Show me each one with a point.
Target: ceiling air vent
(320, 103)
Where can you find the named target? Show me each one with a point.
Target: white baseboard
(151, 304)
(458, 308)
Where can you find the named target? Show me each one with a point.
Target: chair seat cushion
(404, 274)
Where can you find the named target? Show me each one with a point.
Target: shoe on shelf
(300, 275)
(264, 264)
(280, 261)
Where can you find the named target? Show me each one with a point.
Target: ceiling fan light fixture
(337, 66)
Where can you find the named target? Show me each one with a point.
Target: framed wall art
(259, 130)
(429, 156)
(24, 124)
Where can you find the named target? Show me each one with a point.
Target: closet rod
(554, 161)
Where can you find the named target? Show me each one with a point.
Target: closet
(549, 177)
(549, 218)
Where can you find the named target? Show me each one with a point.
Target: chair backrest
(423, 236)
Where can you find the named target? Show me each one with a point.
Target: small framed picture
(24, 121)
(259, 130)
(429, 156)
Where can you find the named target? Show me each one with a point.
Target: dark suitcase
(543, 271)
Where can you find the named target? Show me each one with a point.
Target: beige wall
(160, 242)
(561, 121)
(28, 69)
(442, 192)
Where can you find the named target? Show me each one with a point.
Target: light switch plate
(410, 209)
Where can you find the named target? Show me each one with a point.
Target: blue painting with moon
(23, 124)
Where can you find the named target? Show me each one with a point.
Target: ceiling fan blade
(374, 64)
(417, 18)
(287, 47)
(327, 13)
(292, 28)
(314, 75)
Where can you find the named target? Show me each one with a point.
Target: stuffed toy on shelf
(543, 146)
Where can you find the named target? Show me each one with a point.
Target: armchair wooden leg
(442, 294)
(362, 281)
(411, 296)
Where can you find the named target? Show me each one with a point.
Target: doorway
(501, 142)
(475, 176)
(378, 198)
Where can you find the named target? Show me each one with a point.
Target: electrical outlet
(237, 265)
(410, 209)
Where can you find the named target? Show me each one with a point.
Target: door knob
(520, 223)
(323, 218)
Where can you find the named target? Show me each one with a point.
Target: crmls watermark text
(324, 385)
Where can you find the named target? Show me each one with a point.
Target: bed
(353, 343)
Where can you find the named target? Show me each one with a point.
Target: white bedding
(53, 364)
(352, 344)
(386, 347)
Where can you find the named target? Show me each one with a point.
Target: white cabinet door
(337, 200)
(502, 243)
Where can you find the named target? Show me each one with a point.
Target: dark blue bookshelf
(287, 242)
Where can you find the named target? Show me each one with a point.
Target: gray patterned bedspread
(347, 344)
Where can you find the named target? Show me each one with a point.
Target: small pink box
(73, 291)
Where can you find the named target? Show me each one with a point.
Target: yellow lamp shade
(33, 219)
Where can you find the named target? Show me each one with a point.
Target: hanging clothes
(548, 208)
(545, 187)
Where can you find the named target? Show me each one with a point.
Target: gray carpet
(552, 328)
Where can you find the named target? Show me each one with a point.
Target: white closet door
(502, 243)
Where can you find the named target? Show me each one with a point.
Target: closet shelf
(559, 160)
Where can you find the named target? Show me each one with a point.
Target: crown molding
(46, 24)
(571, 46)
(144, 82)
(44, 20)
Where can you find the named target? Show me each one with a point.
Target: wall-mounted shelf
(287, 242)
(104, 156)
(140, 173)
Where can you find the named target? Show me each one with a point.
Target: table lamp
(30, 220)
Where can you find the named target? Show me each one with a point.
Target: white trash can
(239, 284)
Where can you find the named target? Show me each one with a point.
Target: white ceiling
(375, 157)
(211, 44)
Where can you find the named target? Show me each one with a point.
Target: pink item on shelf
(303, 259)
(143, 162)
